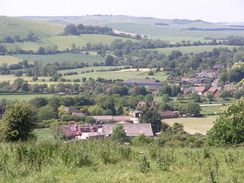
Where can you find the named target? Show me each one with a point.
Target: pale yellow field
(11, 78)
(194, 125)
(9, 59)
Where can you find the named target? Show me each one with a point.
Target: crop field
(194, 125)
(63, 57)
(23, 97)
(9, 60)
(126, 74)
(192, 49)
(11, 78)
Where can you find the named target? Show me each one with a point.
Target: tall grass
(104, 161)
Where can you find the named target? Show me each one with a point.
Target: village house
(198, 90)
(135, 114)
(152, 104)
(143, 82)
(194, 81)
(218, 67)
(207, 74)
(215, 91)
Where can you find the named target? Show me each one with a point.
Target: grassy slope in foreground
(102, 161)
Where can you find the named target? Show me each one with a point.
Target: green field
(64, 42)
(193, 49)
(63, 57)
(194, 125)
(9, 60)
(123, 74)
(23, 97)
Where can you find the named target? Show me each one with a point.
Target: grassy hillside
(11, 26)
(48, 34)
(167, 29)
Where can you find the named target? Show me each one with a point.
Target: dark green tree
(18, 122)
(229, 126)
(71, 29)
(45, 113)
(196, 97)
(119, 110)
(151, 115)
(192, 109)
(109, 60)
(119, 134)
(165, 98)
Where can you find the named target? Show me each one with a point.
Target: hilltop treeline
(79, 29)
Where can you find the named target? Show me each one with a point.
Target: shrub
(142, 139)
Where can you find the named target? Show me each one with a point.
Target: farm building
(112, 118)
(169, 114)
(131, 129)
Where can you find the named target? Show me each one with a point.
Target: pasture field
(194, 125)
(102, 161)
(192, 49)
(64, 42)
(63, 57)
(9, 59)
(23, 97)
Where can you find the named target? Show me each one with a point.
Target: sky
(207, 10)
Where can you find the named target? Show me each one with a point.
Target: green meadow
(23, 96)
(63, 57)
(193, 49)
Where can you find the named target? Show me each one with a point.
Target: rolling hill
(167, 29)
